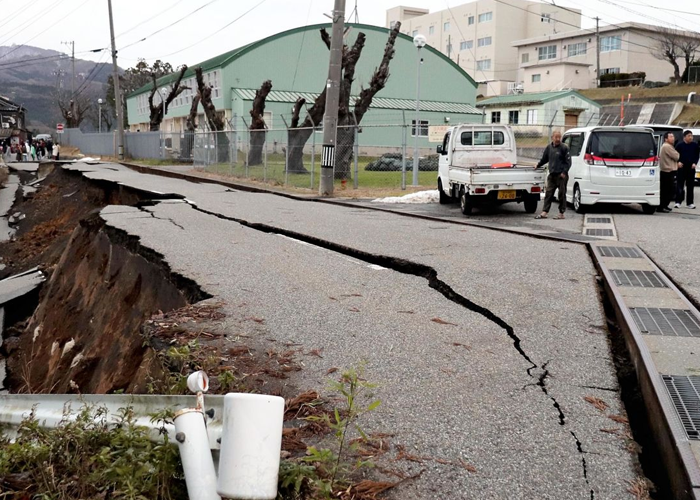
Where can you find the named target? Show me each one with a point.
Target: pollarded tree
(158, 111)
(299, 133)
(667, 48)
(257, 124)
(214, 120)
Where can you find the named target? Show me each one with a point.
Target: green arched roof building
(297, 63)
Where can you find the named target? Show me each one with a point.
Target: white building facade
(568, 60)
(480, 36)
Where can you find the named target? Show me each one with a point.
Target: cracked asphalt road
(482, 400)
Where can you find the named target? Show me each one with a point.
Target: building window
(525, 58)
(470, 20)
(423, 128)
(415, 32)
(546, 18)
(513, 117)
(536, 78)
(485, 17)
(483, 65)
(431, 30)
(609, 71)
(446, 26)
(212, 79)
(610, 43)
(483, 42)
(495, 117)
(577, 49)
(392, 24)
(532, 117)
(548, 52)
(466, 45)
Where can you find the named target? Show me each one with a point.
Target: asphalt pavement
(484, 344)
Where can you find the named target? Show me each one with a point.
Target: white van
(478, 166)
(613, 165)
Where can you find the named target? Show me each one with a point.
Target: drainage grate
(599, 220)
(667, 322)
(626, 252)
(685, 397)
(644, 279)
(599, 232)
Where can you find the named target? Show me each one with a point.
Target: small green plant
(90, 455)
(227, 380)
(323, 472)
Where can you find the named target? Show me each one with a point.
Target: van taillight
(480, 191)
(535, 189)
(593, 160)
(654, 160)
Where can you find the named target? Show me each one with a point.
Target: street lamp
(99, 106)
(419, 41)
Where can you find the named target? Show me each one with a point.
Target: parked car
(613, 165)
(478, 166)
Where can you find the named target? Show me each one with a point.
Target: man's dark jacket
(558, 157)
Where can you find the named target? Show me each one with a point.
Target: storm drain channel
(666, 322)
(620, 252)
(600, 226)
(644, 279)
(686, 399)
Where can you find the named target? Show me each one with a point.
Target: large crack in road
(431, 275)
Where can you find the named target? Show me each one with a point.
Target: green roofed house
(297, 63)
(538, 113)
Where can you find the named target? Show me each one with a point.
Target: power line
(170, 25)
(159, 13)
(44, 31)
(12, 32)
(217, 31)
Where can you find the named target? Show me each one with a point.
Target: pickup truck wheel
(649, 209)
(445, 199)
(531, 204)
(464, 203)
(578, 207)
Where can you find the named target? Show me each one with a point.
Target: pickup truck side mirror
(439, 149)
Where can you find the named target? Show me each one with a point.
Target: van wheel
(464, 203)
(649, 209)
(444, 198)
(531, 204)
(578, 207)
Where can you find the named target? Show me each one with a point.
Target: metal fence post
(355, 153)
(264, 156)
(313, 154)
(404, 139)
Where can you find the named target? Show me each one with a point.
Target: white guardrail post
(251, 443)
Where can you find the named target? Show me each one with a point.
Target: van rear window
(622, 145)
(482, 138)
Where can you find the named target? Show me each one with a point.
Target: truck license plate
(506, 195)
(623, 172)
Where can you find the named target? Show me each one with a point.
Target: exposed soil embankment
(84, 336)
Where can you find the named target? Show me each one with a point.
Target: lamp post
(99, 107)
(419, 41)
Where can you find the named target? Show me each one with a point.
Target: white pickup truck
(478, 166)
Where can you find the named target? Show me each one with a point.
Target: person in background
(55, 151)
(668, 162)
(559, 159)
(32, 151)
(689, 151)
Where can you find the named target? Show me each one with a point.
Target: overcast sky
(193, 35)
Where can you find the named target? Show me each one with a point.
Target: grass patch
(274, 173)
(690, 115)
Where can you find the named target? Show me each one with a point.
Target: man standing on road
(559, 159)
(668, 162)
(689, 151)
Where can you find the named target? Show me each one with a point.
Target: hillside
(639, 94)
(31, 75)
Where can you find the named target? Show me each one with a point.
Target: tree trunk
(258, 125)
(257, 142)
(676, 73)
(190, 126)
(344, 152)
(216, 123)
(296, 140)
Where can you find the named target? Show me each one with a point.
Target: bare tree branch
(258, 109)
(214, 121)
(296, 109)
(666, 48)
(191, 124)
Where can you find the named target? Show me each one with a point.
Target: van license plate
(506, 195)
(623, 172)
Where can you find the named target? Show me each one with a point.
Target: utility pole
(597, 53)
(330, 117)
(117, 91)
(72, 84)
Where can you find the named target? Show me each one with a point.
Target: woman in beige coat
(668, 162)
